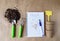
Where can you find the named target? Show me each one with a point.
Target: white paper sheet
(33, 27)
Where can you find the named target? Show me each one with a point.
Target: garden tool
(13, 16)
(48, 13)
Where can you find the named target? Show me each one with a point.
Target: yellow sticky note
(48, 13)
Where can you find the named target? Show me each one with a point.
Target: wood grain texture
(24, 6)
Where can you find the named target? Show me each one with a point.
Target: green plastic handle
(20, 31)
(13, 30)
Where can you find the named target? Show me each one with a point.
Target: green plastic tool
(20, 31)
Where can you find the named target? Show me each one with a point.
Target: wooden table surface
(23, 7)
